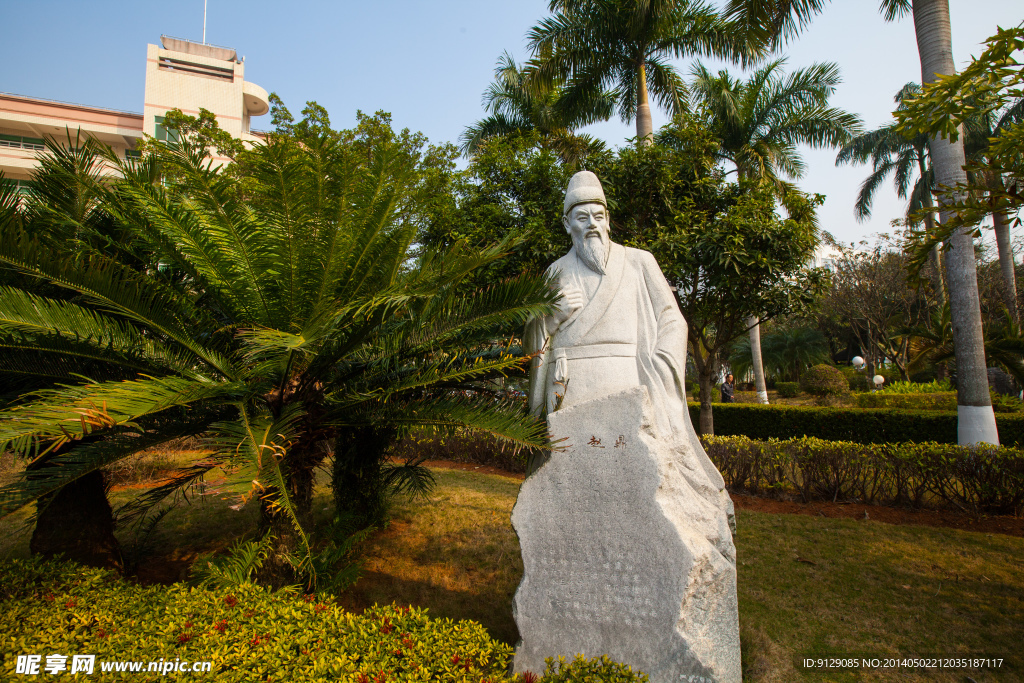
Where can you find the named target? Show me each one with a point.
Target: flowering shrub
(248, 633)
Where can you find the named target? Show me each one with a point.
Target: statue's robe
(629, 333)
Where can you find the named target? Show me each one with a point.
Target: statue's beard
(593, 251)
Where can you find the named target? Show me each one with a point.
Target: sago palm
(283, 319)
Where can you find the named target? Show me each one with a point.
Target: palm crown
(517, 104)
(599, 45)
(891, 153)
(761, 121)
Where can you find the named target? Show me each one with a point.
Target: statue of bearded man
(617, 326)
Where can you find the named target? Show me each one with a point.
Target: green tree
(775, 20)
(723, 246)
(760, 122)
(284, 318)
(517, 105)
(512, 189)
(599, 45)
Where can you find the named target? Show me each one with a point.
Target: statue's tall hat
(584, 188)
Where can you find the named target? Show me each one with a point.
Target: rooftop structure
(180, 74)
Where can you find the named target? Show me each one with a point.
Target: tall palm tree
(759, 124)
(908, 162)
(283, 317)
(599, 45)
(518, 105)
(775, 20)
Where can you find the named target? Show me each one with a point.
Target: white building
(180, 74)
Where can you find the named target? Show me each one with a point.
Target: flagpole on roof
(204, 22)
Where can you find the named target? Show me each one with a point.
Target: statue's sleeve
(670, 345)
(535, 341)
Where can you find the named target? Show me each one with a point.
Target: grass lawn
(873, 588)
(807, 585)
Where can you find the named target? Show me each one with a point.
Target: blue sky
(428, 63)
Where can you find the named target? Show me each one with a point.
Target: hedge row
(974, 479)
(848, 424)
(467, 447)
(933, 401)
(248, 633)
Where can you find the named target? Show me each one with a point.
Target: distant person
(728, 386)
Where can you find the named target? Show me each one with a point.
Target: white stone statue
(625, 530)
(618, 326)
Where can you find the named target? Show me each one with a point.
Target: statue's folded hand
(570, 302)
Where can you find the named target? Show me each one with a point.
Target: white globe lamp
(878, 380)
(858, 363)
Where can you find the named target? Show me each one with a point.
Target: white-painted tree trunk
(755, 354)
(977, 422)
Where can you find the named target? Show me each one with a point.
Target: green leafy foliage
(991, 83)
(858, 425)
(234, 569)
(980, 478)
(932, 400)
(824, 380)
(248, 633)
(583, 670)
(936, 386)
(788, 389)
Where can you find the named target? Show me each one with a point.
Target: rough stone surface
(623, 554)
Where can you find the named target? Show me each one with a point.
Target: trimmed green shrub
(848, 424)
(978, 479)
(824, 380)
(596, 670)
(788, 389)
(248, 633)
(468, 447)
(906, 401)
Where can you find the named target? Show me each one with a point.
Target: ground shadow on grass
(442, 603)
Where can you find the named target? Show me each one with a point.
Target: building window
(20, 186)
(19, 142)
(132, 154)
(170, 136)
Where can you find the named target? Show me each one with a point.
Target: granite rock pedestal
(622, 555)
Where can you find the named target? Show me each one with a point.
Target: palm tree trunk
(935, 257)
(644, 125)
(1001, 223)
(755, 354)
(976, 420)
